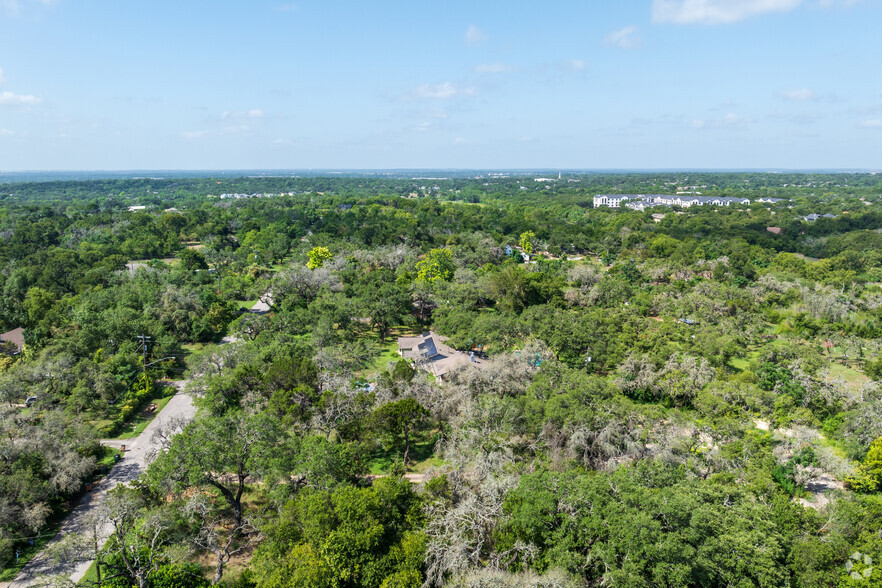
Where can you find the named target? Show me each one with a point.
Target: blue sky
(127, 84)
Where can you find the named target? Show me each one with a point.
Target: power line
(145, 340)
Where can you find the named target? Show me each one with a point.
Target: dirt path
(39, 570)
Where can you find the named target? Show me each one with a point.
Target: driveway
(39, 570)
(262, 306)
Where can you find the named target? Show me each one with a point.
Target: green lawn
(739, 363)
(90, 578)
(107, 459)
(388, 352)
(421, 455)
(27, 553)
(137, 425)
(852, 377)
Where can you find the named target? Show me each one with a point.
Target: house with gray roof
(430, 352)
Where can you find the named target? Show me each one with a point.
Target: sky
(335, 84)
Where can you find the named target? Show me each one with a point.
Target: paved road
(262, 306)
(41, 568)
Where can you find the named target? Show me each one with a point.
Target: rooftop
(431, 352)
(15, 336)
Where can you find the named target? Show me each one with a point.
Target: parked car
(30, 400)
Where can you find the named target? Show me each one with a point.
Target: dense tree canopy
(668, 397)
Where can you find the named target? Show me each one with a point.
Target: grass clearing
(107, 460)
(853, 378)
(388, 352)
(422, 455)
(137, 425)
(739, 363)
(834, 445)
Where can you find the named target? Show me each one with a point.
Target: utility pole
(145, 340)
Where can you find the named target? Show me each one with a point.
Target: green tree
(868, 477)
(389, 305)
(348, 537)
(317, 257)
(526, 241)
(400, 420)
(192, 260)
(436, 265)
(221, 453)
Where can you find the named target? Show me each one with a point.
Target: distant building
(776, 230)
(137, 208)
(611, 200)
(644, 201)
(14, 338)
(813, 217)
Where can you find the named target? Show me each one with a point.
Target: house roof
(423, 346)
(437, 357)
(15, 336)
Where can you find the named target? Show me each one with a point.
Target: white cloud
(735, 119)
(802, 95)
(194, 134)
(461, 141)
(715, 11)
(12, 99)
(422, 127)
(492, 68)
(443, 91)
(624, 39)
(12, 7)
(474, 35)
(254, 113)
(235, 130)
(873, 123)
(731, 120)
(6, 133)
(282, 142)
(15, 7)
(578, 64)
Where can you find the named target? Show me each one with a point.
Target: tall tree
(221, 453)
